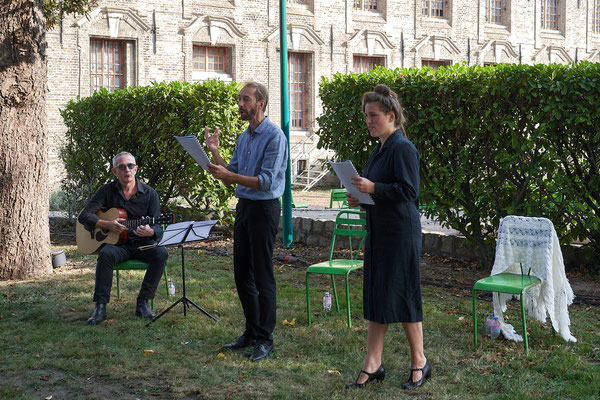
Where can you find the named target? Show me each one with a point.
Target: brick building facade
(131, 42)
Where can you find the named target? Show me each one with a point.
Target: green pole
(288, 234)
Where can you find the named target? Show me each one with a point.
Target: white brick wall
(329, 30)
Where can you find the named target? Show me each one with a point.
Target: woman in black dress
(392, 277)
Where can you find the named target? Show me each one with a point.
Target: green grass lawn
(48, 350)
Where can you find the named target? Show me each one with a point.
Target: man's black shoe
(242, 342)
(262, 350)
(98, 316)
(142, 309)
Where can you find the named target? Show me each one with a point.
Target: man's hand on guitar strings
(144, 231)
(116, 226)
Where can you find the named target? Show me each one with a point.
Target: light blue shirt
(264, 154)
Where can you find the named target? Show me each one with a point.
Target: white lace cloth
(533, 242)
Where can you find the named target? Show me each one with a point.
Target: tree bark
(24, 197)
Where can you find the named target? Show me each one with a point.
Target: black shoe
(142, 309)
(242, 342)
(378, 375)
(426, 373)
(98, 316)
(262, 350)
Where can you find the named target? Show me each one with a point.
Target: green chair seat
(335, 267)
(135, 265)
(505, 283)
(350, 224)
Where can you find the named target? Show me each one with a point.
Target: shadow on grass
(49, 351)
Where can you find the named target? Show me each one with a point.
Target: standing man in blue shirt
(258, 168)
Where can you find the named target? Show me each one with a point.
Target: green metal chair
(520, 240)
(350, 224)
(338, 196)
(135, 265)
(505, 283)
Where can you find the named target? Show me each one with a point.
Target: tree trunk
(24, 198)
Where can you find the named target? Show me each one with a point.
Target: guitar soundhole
(100, 236)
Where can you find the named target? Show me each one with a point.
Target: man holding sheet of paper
(258, 168)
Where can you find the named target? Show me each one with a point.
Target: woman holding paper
(392, 277)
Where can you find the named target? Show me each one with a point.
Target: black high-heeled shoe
(378, 375)
(426, 373)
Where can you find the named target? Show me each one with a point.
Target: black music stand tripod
(178, 234)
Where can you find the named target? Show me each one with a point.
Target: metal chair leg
(524, 326)
(118, 286)
(307, 301)
(348, 302)
(337, 303)
(474, 319)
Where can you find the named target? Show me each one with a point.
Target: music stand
(176, 235)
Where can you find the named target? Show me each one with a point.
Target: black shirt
(143, 203)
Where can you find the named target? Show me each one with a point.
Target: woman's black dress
(392, 276)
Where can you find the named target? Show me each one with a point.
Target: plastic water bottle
(488, 324)
(495, 328)
(171, 288)
(327, 302)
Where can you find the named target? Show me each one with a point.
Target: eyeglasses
(123, 167)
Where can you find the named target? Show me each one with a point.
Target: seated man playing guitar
(138, 200)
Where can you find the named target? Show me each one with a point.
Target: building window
(366, 5)
(597, 16)
(365, 64)
(298, 79)
(435, 64)
(550, 14)
(434, 8)
(209, 59)
(107, 65)
(493, 12)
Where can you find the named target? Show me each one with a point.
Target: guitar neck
(134, 223)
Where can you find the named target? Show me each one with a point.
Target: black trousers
(110, 255)
(254, 234)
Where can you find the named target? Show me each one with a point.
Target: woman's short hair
(388, 101)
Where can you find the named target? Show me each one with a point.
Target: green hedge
(143, 121)
(494, 141)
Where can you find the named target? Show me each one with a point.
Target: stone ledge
(318, 232)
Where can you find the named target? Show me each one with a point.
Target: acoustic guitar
(89, 243)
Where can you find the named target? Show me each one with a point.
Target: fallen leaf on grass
(451, 312)
(48, 397)
(132, 386)
(148, 352)
(221, 355)
(44, 378)
(334, 372)
(292, 322)
(461, 318)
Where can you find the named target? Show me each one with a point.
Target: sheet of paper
(175, 233)
(345, 171)
(195, 149)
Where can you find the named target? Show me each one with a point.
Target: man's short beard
(249, 115)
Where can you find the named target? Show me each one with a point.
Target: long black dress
(392, 276)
